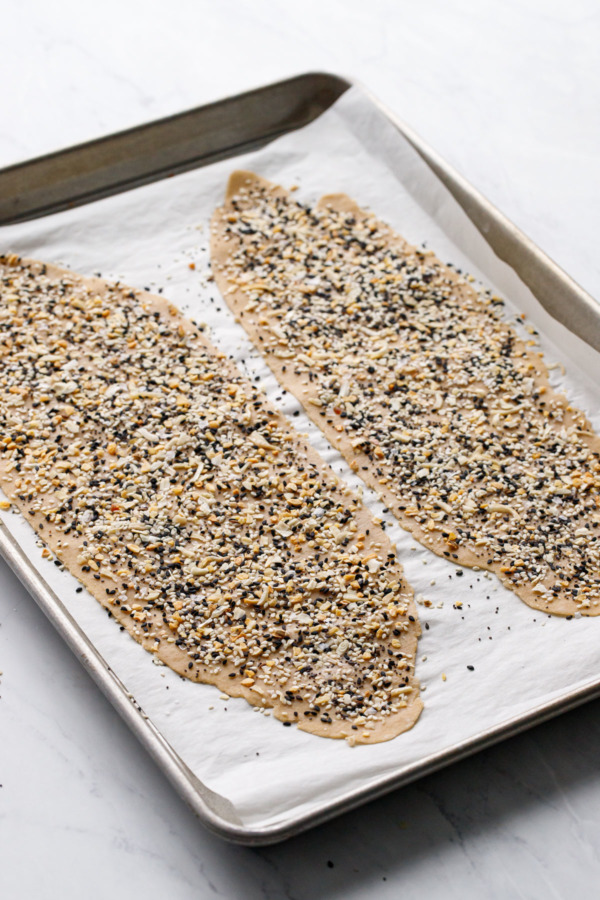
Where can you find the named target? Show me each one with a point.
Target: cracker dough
(191, 510)
(421, 385)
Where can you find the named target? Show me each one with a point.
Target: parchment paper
(521, 658)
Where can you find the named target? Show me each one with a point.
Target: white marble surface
(509, 92)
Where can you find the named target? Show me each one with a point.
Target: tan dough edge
(171, 655)
(304, 390)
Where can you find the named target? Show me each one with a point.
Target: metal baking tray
(221, 130)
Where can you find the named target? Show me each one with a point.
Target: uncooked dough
(185, 503)
(423, 387)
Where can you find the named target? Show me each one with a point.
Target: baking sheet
(522, 659)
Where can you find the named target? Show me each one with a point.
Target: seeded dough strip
(167, 484)
(415, 378)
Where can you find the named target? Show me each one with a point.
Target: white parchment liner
(521, 658)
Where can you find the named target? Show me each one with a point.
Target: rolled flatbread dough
(422, 386)
(185, 503)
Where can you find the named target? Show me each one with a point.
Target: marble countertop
(508, 91)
